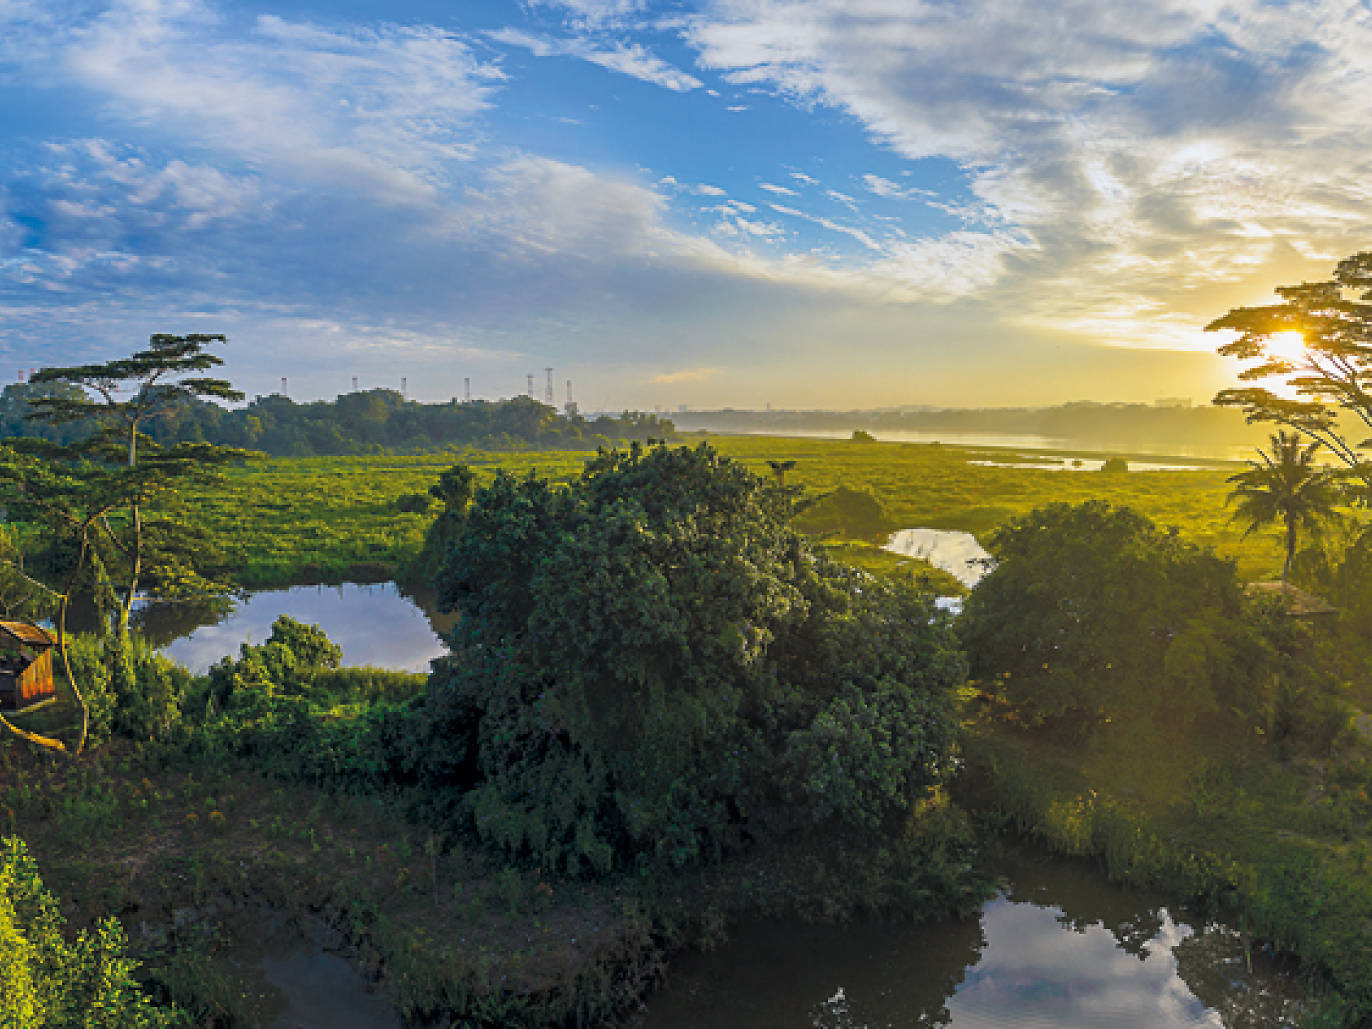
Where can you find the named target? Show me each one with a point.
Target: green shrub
(46, 980)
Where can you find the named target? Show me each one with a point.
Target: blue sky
(804, 202)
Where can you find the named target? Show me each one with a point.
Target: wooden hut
(1298, 603)
(25, 665)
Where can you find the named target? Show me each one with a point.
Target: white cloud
(630, 59)
(783, 191)
(1166, 148)
(809, 180)
(383, 111)
(686, 375)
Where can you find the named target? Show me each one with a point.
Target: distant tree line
(366, 422)
(1117, 423)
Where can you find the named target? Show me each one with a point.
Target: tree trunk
(1290, 550)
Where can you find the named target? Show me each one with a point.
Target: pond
(379, 624)
(957, 553)
(1058, 946)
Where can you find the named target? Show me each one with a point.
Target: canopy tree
(652, 667)
(1330, 375)
(1285, 486)
(83, 502)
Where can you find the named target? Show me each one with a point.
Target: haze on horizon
(813, 204)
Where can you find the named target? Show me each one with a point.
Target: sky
(802, 203)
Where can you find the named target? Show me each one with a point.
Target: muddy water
(1059, 946)
(299, 977)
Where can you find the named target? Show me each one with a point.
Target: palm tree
(1285, 486)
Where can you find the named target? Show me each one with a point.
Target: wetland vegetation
(689, 686)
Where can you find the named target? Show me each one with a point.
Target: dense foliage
(367, 422)
(46, 980)
(1093, 613)
(653, 666)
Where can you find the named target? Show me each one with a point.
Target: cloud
(778, 190)
(809, 180)
(384, 111)
(630, 59)
(688, 375)
(1149, 156)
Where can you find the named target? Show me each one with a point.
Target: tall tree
(86, 499)
(1285, 486)
(167, 375)
(1332, 374)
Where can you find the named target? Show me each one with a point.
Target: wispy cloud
(687, 375)
(772, 187)
(630, 59)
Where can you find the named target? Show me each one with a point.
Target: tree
(86, 498)
(1285, 486)
(1093, 613)
(165, 376)
(653, 668)
(1332, 373)
(779, 470)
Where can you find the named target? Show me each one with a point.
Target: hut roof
(26, 632)
(1299, 603)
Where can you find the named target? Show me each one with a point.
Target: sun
(1287, 346)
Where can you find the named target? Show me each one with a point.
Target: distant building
(1299, 604)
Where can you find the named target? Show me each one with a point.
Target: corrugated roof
(26, 632)
(1298, 601)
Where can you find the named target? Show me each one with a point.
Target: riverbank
(200, 860)
(1275, 847)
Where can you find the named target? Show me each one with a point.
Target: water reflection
(957, 553)
(374, 623)
(1061, 946)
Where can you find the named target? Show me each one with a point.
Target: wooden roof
(1299, 603)
(26, 632)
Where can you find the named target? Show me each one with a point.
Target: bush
(46, 980)
(1093, 613)
(853, 514)
(652, 667)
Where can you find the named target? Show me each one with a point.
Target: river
(1058, 946)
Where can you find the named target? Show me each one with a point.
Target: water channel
(1058, 946)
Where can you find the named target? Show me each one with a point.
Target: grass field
(330, 519)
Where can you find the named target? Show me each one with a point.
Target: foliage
(1092, 613)
(372, 421)
(863, 436)
(652, 666)
(1333, 373)
(1285, 486)
(1115, 465)
(46, 980)
(87, 496)
(846, 512)
(286, 661)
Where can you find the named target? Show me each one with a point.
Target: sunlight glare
(1287, 346)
